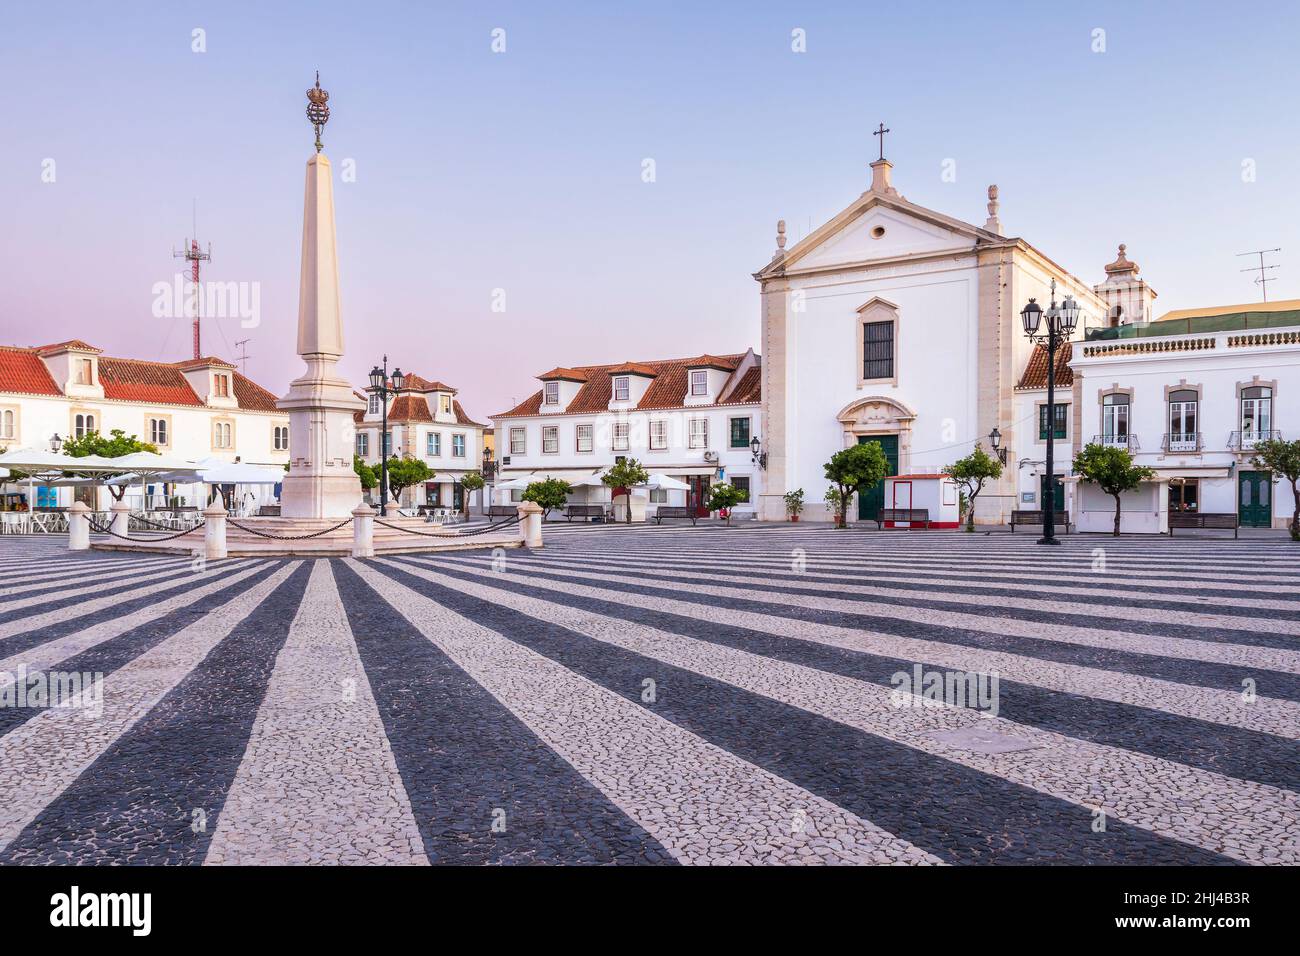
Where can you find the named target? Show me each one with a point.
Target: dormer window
(221, 385)
(551, 395)
(445, 404)
(622, 389)
(699, 381)
(374, 408)
(85, 369)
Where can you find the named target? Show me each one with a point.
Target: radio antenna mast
(192, 254)
(242, 357)
(1263, 279)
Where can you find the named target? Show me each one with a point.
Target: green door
(870, 503)
(1059, 503)
(1254, 504)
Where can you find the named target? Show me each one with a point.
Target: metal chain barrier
(166, 537)
(141, 519)
(287, 537)
(453, 534)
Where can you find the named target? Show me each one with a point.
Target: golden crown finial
(318, 111)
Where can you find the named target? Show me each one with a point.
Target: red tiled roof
(634, 368)
(409, 408)
(1035, 375)
(132, 380)
(64, 346)
(723, 363)
(748, 390)
(668, 390)
(203, 362)
(252, 396)
(415, 383)
(572, 374)
(22, 371)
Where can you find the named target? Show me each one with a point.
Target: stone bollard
(121, 516)
(214, 531)
(530, 524)
(78, 527)
(363, 531)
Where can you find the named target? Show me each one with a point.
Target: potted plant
(835, 502)
(794, 503)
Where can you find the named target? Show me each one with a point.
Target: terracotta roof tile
(22, 371)
(571, 374)
(205, 361)
(252, 396)
(725, 363)
(417, 384)
(634, 368)
(409, 408)
(133, 380)
(748, 390)
(64, 346)
(668, 390)
(1035, 375)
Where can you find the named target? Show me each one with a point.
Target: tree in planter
(405, 472)
(970, 473)
(1112, 470)
(725, 497)
(855, 469)
(794, 503)
(471, 483)
(1283, 458)
(837, 503)
(118, 443)
(550, 494)
(625, 474)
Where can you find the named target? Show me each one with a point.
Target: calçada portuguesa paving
(660, 695)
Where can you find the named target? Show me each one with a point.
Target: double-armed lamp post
(1061, 320)
(380, 385)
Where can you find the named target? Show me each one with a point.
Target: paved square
(661, 695)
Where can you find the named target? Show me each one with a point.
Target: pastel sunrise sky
(522, 170)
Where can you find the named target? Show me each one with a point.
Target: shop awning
(1211, 471)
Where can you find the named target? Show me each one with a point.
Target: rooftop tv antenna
(1263, 279)
(242, 357)
(192, 254)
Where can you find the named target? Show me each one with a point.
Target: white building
(194, 410)
(898, 324)
(425, 421)
(1190, 395)
(692, 419)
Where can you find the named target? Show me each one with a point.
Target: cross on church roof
(881, 133)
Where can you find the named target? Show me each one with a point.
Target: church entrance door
(870, 503)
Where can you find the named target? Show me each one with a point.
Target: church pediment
(879, 232)
(874, 412)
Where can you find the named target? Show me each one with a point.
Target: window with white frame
(518, 441)
(433, 444)
(659, 496)
(223, 435)
(620, 433)
(622, 388)
(375, 407)
(1183, 408)
(363, 444)
(158, 431)
(699, 381)
(457, 445)
(699, 433)
(85, 371)
(1256, 413)
(8, 424)
(82, 425)
(658, 435)
(585, 440)
(1114, 419)
(281, 438)
(551, 392)
(446, 404)
(551, 440)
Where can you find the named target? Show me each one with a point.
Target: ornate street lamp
(56, 443)
(379, 380)
(1061, 320)
(758, 456)
(995, 439)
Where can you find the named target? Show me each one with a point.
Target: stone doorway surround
(879, 415)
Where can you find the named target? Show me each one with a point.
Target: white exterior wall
(410, 438)
(1027, 458)
(1220, 369)
(673, 460)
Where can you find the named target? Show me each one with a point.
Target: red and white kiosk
(936, 493)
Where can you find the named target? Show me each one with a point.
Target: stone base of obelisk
(320, 496)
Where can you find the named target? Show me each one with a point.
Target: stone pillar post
(121, 516)
(214, 531)
(530, 524)
(78, 527)
(363, 531)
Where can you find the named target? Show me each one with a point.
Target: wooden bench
(1036, 518)
(1203, 519)
(910, 515)
(664, 511)
(502, 511)
(584, 511)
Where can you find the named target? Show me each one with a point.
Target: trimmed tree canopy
(550, 494)
(856, 469)
(1112, 470)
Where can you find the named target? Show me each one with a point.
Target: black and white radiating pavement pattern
(660, 695)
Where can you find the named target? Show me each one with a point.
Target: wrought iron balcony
(1187, 441)
(1117, 441)
(1246, 440)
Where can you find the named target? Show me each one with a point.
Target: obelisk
(321, 482)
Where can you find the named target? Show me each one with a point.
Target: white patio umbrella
(667, 483)
(515, 484)
(239, 473)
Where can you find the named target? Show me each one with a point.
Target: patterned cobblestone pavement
(660, 695)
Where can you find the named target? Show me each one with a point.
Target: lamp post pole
(1061, 321)
(379, 385)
